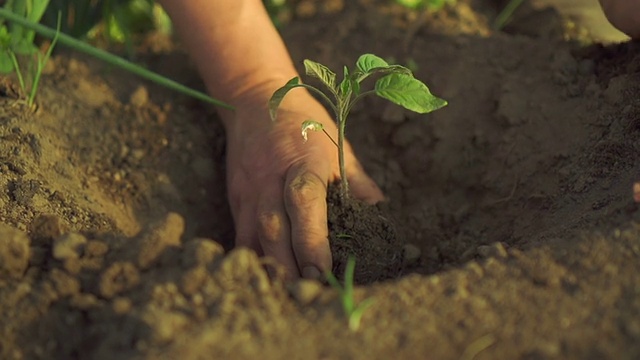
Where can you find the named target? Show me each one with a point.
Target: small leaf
(355, 87)
(310, 125)
(6, 65)
(368, 62)
(321, 72)
(279, 94)
(408, 92)
(394, 69)
(345, 84)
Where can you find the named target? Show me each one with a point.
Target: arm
(234, 45)
(276, 183)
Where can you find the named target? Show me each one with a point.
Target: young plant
(352, 310)
(108, 58)
(17, 42)
(396, 84)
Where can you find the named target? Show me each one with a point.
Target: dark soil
(366, 233)
(515, 203)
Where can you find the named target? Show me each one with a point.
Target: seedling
(18, 42)
(352, 310)
(396, 84)
(433, 5)
(106, 57)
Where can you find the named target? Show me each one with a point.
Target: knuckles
(304, 190)
(271, 226)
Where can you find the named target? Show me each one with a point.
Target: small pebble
(167, 232)
(411, 254)
(68, 246)
(140, 97)
(496, 250)
(14, 251)
(305, 291)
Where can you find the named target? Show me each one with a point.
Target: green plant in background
(432, 5)
(396, 84)
(504, 17)
(108, 58)
(278, 10)
(352, 310)
(17, 46)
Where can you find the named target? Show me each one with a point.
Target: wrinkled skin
(278, 183)
(624, 15)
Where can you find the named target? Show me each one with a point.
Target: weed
(107, 57)
(352, 310)
(505, 15)
(17, 42)
(397, 84)
(432, 5)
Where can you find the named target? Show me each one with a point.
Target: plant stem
(342, 121)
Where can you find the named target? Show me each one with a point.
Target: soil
(514, 202)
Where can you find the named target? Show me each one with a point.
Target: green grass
(19, 21)
(504, 17)
(18, 53)
(432, 5)
(352, 310)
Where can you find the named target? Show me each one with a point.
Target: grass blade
(111, 59)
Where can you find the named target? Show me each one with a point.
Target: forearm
(235, 46)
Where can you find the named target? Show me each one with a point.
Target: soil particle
(68, 246)
(201, 251)
(118, 278)
(64, 284)
(47, 227)
(496, 250)
(305, 291)
(410, 254)
(14, 251)
(158, 237)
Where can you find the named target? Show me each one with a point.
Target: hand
(277, 183)
(624, 15)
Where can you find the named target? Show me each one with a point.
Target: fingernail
(311, 272)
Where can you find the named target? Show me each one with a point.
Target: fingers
(274, 233)
(244, 221)
(305, 201)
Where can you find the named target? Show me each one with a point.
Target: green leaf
(368, 62)
(321, 72)
(5, 38)
(408, 92)
(345, 84)
(355, 87)
(6, 65)
(279, 94)
(310, 125)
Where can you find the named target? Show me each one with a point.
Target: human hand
(624, 15)
(277, 183)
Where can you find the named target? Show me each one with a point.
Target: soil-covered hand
(277, 183)
(624, 15)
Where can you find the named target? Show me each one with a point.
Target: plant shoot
(396, 84)
(352, 311)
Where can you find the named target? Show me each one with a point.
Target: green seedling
(506, 14)
(396, 84)
(352, 310)
(17, 42)
(108, 58)
(432, 5)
